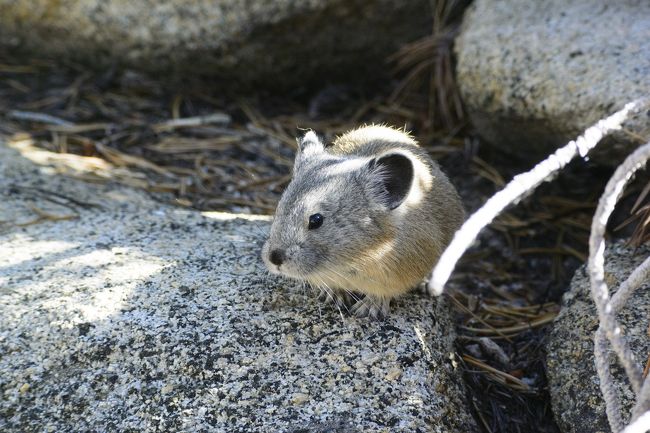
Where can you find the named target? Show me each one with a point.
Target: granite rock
(285, 44)
(533, 75)
(577, 402)
(137, 316)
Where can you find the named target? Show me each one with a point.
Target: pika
(364, 218)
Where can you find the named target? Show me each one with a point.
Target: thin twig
(505, 377)
(32, 116)
(46, 216)
(216, 118)
(511, 330)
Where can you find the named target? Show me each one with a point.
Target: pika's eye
(315, 221)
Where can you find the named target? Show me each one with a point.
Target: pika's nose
(276, 257)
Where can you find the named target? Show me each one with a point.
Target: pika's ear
(390, 177)
(310, 143)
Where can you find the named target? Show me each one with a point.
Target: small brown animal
(369, 214)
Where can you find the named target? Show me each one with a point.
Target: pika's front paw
(376, 308)
(339, 298)
(423, 287)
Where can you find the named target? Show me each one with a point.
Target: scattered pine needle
(46, 216)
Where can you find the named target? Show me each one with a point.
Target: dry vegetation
(204, 151)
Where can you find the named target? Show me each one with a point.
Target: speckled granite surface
(142, 317)
(573, 382)
(279, 43)
(533, 75)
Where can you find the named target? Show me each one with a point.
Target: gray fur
(374, 240)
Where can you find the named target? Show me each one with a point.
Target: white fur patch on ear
(345, 166)
(310, 144)
(310, 136)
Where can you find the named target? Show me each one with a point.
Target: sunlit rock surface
(534, 75)
(136, 316)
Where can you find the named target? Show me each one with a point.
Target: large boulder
(118, 313)
(576, 398)
(284, 43)
(533, 75)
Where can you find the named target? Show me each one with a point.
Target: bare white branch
(612, 407)
(606, 306)
(595, 266)
(642, 401)
(640, 275)
(520, 186)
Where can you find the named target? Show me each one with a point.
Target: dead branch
(520, 186)
(609, 326)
